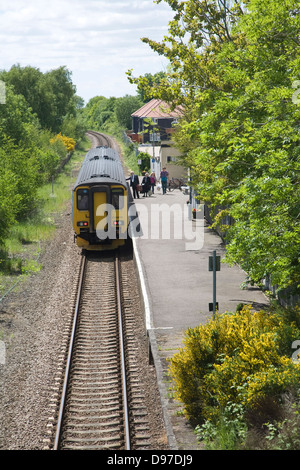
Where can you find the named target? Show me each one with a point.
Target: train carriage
(106, 153)
(100, 201)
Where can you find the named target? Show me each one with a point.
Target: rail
(92, 388)
(122, 352)
(69, 358)
(101, 139)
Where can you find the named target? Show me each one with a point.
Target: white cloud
(97, 40)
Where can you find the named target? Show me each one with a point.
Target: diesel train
(100, 202)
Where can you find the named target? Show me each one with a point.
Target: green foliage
(235, 374)
(16, 119)
(144, 157)
(75, 126)
(227, 433)
(284, 434)
(124, 107)
(111, 113)
(234, 65)
(21, 251)
(100, 111)
(23, 167)
(35, 105)
(49, 95)
(236, 358)
(147, 84)
(9, 200)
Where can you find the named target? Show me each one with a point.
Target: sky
(97, 40)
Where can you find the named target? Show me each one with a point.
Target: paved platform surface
(172, 255)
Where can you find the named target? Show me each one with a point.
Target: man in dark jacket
(134, 182)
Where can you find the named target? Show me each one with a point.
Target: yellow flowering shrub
(272, 382)
(236, 358)
(68, 142)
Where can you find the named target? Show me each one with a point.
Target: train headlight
(82, 224)
(118, 222)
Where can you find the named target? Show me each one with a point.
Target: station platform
(172, 256)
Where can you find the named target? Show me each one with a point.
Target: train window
(117, 198)
(82, 199)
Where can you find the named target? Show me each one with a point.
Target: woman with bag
(146, 185)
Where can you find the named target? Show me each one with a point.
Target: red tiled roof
(157, 109)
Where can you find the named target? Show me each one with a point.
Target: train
(100, 202)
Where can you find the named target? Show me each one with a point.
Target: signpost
(214, 265)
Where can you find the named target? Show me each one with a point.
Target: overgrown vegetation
(236, 376)
(21, 253)
(50, 96)
(111, 115)
(234, 65)
(37, 107)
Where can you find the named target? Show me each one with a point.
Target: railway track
(102, 404)
(100, 139)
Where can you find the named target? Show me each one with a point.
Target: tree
(61, 92)
(100, 111)
(148, 82)
(233, 65)
(9, 200)
(124, 107)
(26, 82)
(16, 118)
(51, 96)
(196, 33)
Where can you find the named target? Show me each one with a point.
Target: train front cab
(100, 216)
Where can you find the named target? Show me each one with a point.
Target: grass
(21, 255)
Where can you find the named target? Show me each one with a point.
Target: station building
(152, 128)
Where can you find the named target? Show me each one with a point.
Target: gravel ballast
(35, 320)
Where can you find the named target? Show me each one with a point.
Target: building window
(155, 137)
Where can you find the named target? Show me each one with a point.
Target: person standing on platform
(146, 185)
(164, 179)
(134, 182)
(152, 181)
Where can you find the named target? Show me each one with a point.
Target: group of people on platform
(148, 183)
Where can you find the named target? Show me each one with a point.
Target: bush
(239, 358)
(68, 142)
